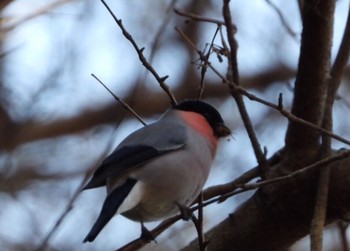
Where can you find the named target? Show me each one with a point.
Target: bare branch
(233, 77)
(199, 18)
(120, 101)
(139, 242)
(205, 66)
(289, 30)
(139, 51)
(201, 238)
(161, 30)
(320, 210)
(295, 174)
(217, 190)
(69, 207)
(244, 178)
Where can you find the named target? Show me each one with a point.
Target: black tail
(109, 208)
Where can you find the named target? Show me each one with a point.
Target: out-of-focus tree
(277, 71)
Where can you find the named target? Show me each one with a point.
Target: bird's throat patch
(200, 125)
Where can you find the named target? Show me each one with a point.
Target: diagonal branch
(139, 51)
(276, 221)
(120, 101)
(199, 18)
(69, 207)
(283, 20)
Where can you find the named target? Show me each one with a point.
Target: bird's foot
(186, 212)
(147, 235)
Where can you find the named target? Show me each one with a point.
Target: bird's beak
(221, 130)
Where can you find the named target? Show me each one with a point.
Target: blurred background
(57, 122)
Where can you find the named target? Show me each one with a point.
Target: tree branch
(312, 77)
(318, 220)
(279, 214)
(233, 77)
(127, 35)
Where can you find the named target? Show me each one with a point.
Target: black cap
(209, 112)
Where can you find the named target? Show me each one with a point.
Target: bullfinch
(160, 166)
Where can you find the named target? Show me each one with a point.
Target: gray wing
(138, 148)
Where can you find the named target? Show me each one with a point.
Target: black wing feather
(109, 208)
(121, 160)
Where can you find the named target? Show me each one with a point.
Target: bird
(161, 167)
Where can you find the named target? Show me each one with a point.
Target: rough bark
(278, 215)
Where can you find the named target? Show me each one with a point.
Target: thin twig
(139, 51)
(197, 225)
(218, 190)
(294, 118)
(205, 66)
(199, 18)
(244, 178)
(120, 101)
(139, 242)
(233, 74)
(69, 207)
(201, 238)
(233, 77)
(156, 41)
(292, 33)
(295, 174)
(161, 31)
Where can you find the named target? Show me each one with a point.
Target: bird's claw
(147, 235)
(186, 212)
